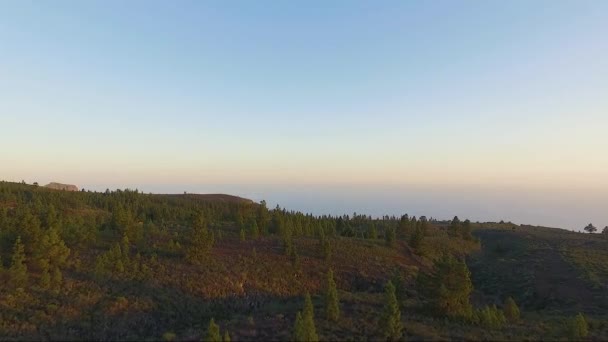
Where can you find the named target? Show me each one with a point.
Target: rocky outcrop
(59, 186)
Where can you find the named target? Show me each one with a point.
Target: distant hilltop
(216, 198)
(59, 186)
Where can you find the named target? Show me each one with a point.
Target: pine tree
(299, 333)
(491, 317)
(18, 270)
(391, 318)
(45, 278)
(578, 327)
(416, 239)
(511, 310)
(455, 228)
(293, 255)
(399, 283)
(306, 330)
(326, 250)
(125, 247)
(448, 287)
(390, 236)
(466, 230)
(201, 242)
(227, 337)
(373, 232)
(213, 332)
(242, 235)
(56, 280)
(254, 230)
(332, 302)
(52, 251)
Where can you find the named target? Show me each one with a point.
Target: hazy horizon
(557, 208)
(486, 110)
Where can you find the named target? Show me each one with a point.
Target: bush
(511, 311)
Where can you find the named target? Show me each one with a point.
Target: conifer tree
(201, 241)
(399, 283)
(448, 287)
(213, 332)
(416, 239)
(454, 229)
(125, 247)
(227, 337)
(242, 235)
(254, 230)
(52, 251)
(18, 270)
(391, 317)
(332, 302)
(45, 278)
(390, 236)
(373, 232)
(466, 230)
(305, 329)
(511, 310)
(578, 327)
(299, 333)
(56, 279)
(293, 255)
(326, 250)
(491, 317)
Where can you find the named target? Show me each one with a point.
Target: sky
(484, 109)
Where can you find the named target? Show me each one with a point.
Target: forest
(126, 265)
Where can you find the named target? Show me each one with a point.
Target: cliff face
(59, 186)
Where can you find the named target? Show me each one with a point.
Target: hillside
(124, 265)
(545, 269)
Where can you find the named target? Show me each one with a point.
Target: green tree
(590, 228)
(213, 332)
(466, 230)
(254, 230)
(416, 239)
(391, 317)
(455, 227)
(125, 247)
(511, 310)
(332, 302)
(373, 234)
(242, 236)
(18, 269)
(45, 278)
(326, 249)
(306, 330)
(448, 287)
(52, 251)
(490, 317)
(56, 279)
(293, 256)
(578, 327)
(227, 337)
(299, 333)
(399, 283)
(404, 225)
(390, 236)
(201, 241)
(263, 218)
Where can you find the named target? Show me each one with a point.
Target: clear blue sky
(187, 94)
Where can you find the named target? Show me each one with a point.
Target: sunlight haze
(484, 109)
